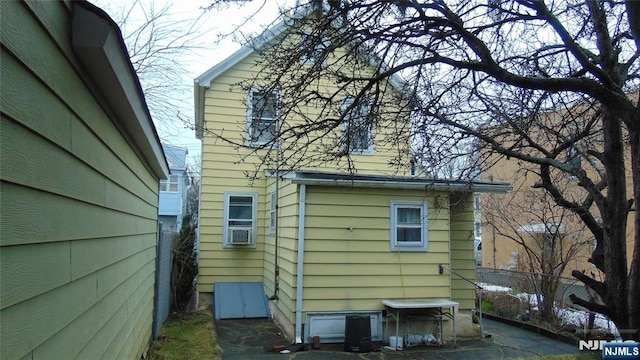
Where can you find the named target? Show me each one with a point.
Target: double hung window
(357, 136)
(313, 47)
(262, 116)
(170, 185)
(409, 226)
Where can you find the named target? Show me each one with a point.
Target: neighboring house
(530, 216)
(324, 244)
(79, 176)
(173, 192)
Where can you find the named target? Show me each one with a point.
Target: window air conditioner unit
(239, 236)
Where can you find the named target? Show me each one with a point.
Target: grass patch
(190, 336)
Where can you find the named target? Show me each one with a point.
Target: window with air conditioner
(240, 215)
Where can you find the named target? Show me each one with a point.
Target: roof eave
(98, 44)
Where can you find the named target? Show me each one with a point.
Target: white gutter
(300, 270)
(391, 184)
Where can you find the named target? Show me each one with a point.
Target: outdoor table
(415, 304)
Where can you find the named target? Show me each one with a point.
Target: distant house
(530, 216)
(173, 191)
(80, 166)
(322, 243)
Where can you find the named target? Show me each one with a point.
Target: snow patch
(574, 317)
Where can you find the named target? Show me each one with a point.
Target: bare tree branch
(458, 86)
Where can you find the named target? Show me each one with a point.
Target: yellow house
(322, 243)
(79, 172)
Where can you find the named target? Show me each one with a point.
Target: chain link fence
(539, 298)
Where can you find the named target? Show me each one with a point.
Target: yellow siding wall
(354, 270)
(287, 248)
(227, 167)
(224, 169)
(78, 207)
(225, 114)
(343, 270)
(462, 254)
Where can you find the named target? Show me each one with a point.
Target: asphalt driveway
(255, 339)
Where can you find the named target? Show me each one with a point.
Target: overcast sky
(213, 24)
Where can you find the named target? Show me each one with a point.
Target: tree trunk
(634, 273)
(614, 214)
(549, 286)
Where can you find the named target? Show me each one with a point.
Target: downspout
(300, 270)
(276, 262)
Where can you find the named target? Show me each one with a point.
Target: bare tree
(160, 39)
(550, 237)
(185, 262)
(526, 79)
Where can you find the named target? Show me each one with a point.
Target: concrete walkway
(254, 339)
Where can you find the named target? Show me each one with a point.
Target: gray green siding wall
(78, 204)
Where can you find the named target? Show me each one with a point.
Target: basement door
(240, 301)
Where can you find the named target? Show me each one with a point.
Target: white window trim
(346, 102)
(311, 60)
(418, 246)
(254, 220)
(248, 140)
(272, 212)
(166, 184)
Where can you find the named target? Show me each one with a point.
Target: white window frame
(173, 181)
(272, 212)
(346, 103)
(477, 203)
(423, 244)
(308, 58)
(254, 220)
(477, 229)
(250, 119)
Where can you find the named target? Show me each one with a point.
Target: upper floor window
(356, 129)
(312, 49)
(170, 185)
(409, 226)
(240, 217)
(262, 116)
